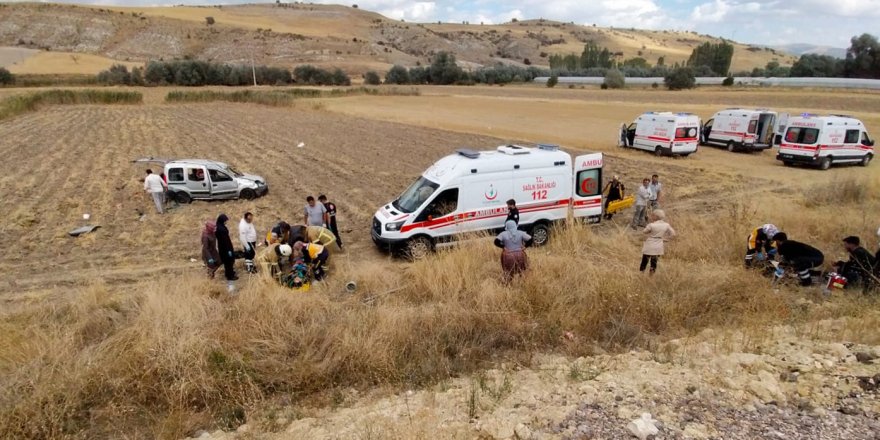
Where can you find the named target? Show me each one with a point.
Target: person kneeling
(314, 255)
(858, 269)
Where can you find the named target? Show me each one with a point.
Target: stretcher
(619, 205)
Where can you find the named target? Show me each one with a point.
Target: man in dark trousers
(798, 256)
(224, 245)
(331, 212)
(512, 212)
(857, 270)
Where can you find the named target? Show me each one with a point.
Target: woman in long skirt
(658, 231)
(513, 257)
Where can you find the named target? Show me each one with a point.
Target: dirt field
(66, 161)
(42, 62)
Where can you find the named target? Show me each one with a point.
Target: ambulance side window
(589, 182)
(444, 204)
(852, 137)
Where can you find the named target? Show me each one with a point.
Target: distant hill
(803, 49)
(353, 39)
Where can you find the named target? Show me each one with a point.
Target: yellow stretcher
(620, 205)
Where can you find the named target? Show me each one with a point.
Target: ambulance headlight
(391, 227)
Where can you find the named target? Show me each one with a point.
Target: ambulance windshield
(415, 195)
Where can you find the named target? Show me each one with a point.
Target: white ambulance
(468, 192)
(739, 129)
(825, 140)
(662, 133)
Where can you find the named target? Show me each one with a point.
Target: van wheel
(731, 146)
(825, 163)
(866, 160)
(182, 197)
(540, 234)
(248, 194)
(417, 248)
(658, 151)
(788, 164)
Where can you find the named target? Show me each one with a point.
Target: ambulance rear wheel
(658, 151)
(417, 248)
(540, 234)
(866, 160)
(731, 146)
(825, 163)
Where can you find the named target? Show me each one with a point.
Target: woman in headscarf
(658, 232)
(224, 245)
(513, 257)
(209, 248)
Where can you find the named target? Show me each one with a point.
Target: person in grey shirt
(315, 213)
(643, 195)
(655, 186)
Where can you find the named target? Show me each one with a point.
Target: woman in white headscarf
(513, 257)
(658, 232)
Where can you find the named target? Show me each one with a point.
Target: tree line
(203, 73)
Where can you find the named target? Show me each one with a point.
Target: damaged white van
(467, 192)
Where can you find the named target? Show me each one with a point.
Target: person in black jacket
(798, 256)
(857, 270)
(224, 245)
(512, 212)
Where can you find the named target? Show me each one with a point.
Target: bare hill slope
(350, 38)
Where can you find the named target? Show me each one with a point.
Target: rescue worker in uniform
(798, 256)
(760, 244)
(279, 233)
(315, 255)
(331, 213)
(271, 259)
(512, 212)
(615, 191)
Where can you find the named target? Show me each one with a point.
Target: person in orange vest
(315, 255)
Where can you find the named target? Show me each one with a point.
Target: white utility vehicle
(662, 133)
(467, 192)
(740, 129)
(825, 140)
(201, 179)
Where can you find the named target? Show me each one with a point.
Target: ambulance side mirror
(869, 142)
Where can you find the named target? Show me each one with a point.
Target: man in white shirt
(154, 185)
(655, 186)
(643, 196)
(247, 233)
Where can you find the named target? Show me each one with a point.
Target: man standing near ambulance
(643, 195)
(655, 186)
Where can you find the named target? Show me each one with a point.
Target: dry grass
(182, 355)
(18, 104)
(283, 97)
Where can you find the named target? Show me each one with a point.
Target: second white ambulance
(467, 192)
(662, 133)
(825, 140)
(740, 129)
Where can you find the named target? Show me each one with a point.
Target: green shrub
(372, 78)
(552, 81)
(6, 77)
(195, 73)
(727, 81)
(680, 79)
(614, 79)
(444, 70)
(19, 104)
(397, 75)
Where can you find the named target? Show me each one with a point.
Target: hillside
(350, 38)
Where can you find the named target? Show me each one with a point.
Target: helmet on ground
(285, 250)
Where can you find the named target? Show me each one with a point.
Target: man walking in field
(643, 195)
(655, 187)
(154, 185)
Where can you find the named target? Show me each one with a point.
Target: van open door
(781, 124)
(586, 200)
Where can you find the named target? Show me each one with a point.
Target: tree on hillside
(444, 70)
(592, 56)
(814, 65)
(6, 77)
(716, 56)
(372, 78)
(397, 75)
(863, 57)
(680, 78)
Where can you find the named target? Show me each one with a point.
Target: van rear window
(802, 135)
(685, 132)
(175, 175)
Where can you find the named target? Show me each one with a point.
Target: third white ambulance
(467, 192)
(740, 129)
(825, 140)
(662, 133)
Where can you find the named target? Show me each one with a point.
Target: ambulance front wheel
(418, 248)
(866, 160)
(540, 234)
